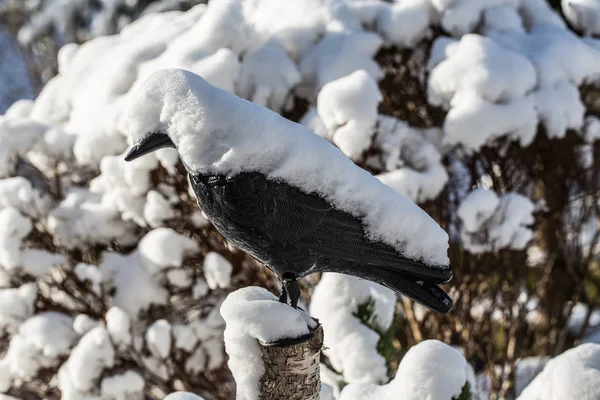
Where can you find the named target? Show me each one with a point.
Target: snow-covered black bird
(286, 196)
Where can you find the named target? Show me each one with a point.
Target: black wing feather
(299, 233)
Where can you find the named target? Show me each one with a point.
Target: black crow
(287, 197)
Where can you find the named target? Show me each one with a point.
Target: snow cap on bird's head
(167, 108)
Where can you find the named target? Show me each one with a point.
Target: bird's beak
(150, 143)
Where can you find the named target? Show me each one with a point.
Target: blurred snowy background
(483, 112)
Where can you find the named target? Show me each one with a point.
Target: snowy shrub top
(430, 370)
(573, 374)
(351, 346)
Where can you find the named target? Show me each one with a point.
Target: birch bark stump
(292, 372)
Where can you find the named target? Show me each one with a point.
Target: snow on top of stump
(253, 314)
(218, 133)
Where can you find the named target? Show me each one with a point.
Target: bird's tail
(424, 292)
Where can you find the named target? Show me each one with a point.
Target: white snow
(412, 162)
(185, 337)
(351, 345)
(118, 325)
(158, 339)
(157, 209)
(163, 247)
(217, 270)
(336, 55)
(574, 374)
(253, 314)
(18, 193)
(348, 109)
(124, 386)
(83, 323)
(429, 370)
(183, 396)
(135, 287)
(404, 23)
(583, 15)
(40, 341)
(491, 223)
(200, 288)
(92, 274)
(195, 114)
(267, 76)
(16, 305)
(13, 228)
(87, 361)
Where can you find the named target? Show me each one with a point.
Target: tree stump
(292, 371)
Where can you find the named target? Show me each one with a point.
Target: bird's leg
(283, 296)
(293, 289)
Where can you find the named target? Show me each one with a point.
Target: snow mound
(217, 271)
(491, 223)
(504, 83)
(574, 374)
(412, 162)
(251, 315)
(351, 345)
(583, 15)
(348, 109)
(429, 370)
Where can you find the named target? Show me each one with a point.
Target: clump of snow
(83, 323)
(574, 374)
(158, 338)
(490, 223)
(40, 341)
(267, 76)
(16, 305)
(92, 274)
(252, 138)
(429, 370)
(462, 16)
(404, 23)
(526, 369)
(200, 288)
(18, 193)
(183, 396)
(583, 15)
(157, 209)
(124, 386)
(14, 228)
(339, 54)
(135, 287)
(78, 375)
(348, 109)
(413, 163)
(217, 270)
(85, 218)
(118, 324)
(351, 345)
(251, 315)
(504, 83)
(185, 337)
(163, 247)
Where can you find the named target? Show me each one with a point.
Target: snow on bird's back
(218, 133)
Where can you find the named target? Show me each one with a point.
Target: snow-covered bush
(484, 113)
